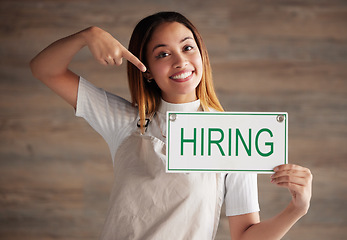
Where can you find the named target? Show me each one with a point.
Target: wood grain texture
(56, 172)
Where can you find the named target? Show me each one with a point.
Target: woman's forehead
(170, 33)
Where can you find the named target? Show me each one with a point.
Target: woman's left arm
(298, 180)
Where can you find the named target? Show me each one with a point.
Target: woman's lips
(183, 76)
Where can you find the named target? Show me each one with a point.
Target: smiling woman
(146, 202)
(148, 96)
(174, 62)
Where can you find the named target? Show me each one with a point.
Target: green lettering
(229, 150)
(239, 136)
(267, 143)
(188, 141)
(217, 142)
(202, 142)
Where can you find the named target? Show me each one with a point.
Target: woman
(169, 70)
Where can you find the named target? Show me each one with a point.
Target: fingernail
(276, 169)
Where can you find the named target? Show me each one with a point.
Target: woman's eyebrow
(186, 38)
(164, 45)
(158, 46)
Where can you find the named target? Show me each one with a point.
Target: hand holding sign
(298, 180)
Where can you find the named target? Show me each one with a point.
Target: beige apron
(148, 203)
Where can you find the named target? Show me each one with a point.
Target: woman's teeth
(182, 75)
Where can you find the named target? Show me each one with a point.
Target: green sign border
(223, 113)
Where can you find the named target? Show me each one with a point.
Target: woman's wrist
(297, 211)
(90, 34)
(85, 36)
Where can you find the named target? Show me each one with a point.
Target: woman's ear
(148, 75)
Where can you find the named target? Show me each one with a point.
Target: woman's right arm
(51, 65)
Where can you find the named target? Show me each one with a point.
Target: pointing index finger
(134, 60)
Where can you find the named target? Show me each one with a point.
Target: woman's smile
(182, 76)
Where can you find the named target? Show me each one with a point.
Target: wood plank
(56, 172)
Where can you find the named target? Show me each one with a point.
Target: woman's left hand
(298, 180)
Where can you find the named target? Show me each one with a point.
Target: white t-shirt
(115, 119)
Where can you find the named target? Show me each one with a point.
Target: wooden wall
(56, 173)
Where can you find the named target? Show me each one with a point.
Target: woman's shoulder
(100, 96)
(97, 104)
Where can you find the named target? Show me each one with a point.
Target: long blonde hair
(147, 96)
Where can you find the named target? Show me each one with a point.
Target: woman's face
(174, 62)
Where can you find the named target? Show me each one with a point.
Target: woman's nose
(179, 61)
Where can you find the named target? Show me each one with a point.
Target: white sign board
(226, 141)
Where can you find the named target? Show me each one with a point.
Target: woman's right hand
(107, 50)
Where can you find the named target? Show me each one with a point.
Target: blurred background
(271, 55)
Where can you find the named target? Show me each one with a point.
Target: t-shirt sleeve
(241, 193)
(107, 114)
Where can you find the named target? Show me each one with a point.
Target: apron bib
(148, 203)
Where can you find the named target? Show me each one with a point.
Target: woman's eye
(162, 55)
(188, 48)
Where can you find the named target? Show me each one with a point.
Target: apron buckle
(146, 123)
